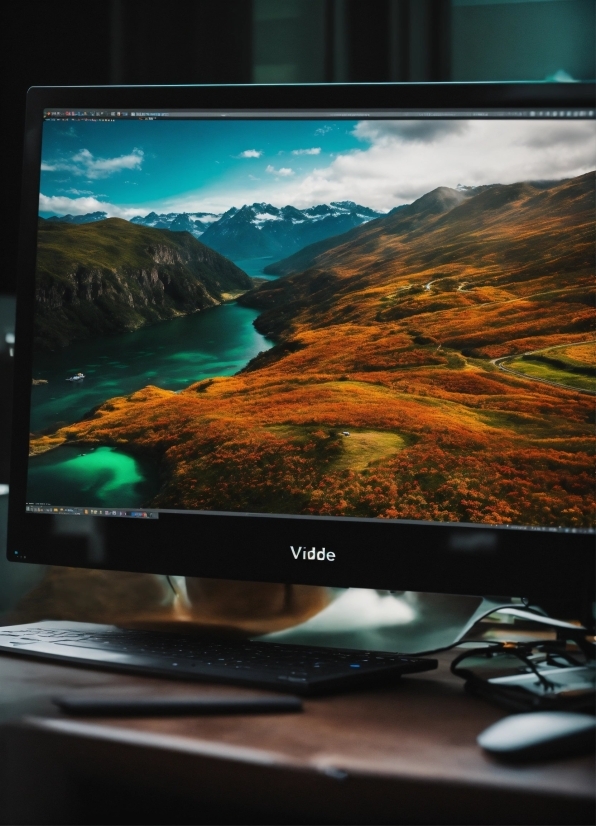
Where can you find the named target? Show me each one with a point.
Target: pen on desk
(127, 706)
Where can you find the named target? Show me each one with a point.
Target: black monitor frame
(554, 567)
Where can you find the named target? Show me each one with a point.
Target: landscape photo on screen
(390, 319)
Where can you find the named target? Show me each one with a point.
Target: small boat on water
(77, 377)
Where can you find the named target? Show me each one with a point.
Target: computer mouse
(539, 735)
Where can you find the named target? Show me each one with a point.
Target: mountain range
(442, 259)
(253, 231)
(432, 203)
(194, 222)
(396, 335)
(109, 276)
(264, 230)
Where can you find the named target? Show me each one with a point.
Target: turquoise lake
(101, 478)
(172, 354)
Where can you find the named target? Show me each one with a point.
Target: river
(171, 354)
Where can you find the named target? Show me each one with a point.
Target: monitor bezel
(545, 566)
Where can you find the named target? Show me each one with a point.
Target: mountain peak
(264, 209)
(290, 211)
(441, 199)
(345, 204)
(229, 213)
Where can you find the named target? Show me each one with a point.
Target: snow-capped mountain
(194, 222)
(262, 229)
(255, 230)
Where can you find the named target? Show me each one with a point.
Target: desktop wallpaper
(389, 319)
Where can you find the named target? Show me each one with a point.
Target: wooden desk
(402, 754)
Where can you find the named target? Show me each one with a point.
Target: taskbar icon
(127, 513)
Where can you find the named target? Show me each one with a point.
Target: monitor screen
(337, 335)
(373, 317)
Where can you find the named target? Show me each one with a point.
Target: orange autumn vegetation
(391, 336)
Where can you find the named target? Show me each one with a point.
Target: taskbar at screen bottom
(145, 513)
(137, 513)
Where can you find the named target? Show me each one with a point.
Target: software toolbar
(175, 114)
(66, 511)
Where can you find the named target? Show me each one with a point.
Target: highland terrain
(435, 364)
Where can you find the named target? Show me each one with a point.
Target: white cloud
(567, 132)
(391, 169)
(102, 167)
(83, 163)
(206, 218)
(250, 153)
(316, 150)
(400, 165)
(322, 130)
(74, 191)
(283, 171)
(62, 205)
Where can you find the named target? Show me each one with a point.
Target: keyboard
(298, 669)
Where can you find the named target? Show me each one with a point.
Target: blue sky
(128, 168)
(201, 165)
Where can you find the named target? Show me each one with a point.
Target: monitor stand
(410, 623)
(362, 619)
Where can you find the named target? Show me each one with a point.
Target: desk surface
(404, 753)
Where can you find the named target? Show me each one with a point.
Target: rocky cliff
(111, 276)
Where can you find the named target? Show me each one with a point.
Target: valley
(437, 431)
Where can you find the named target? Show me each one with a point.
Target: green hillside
(111, 276)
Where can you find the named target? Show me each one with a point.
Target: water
(254, 266)
(104, 478)
(171, 355)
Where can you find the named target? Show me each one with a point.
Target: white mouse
(540, 734)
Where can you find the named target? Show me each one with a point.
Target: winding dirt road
(499, 362)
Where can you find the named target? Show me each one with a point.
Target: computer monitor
(339, 335)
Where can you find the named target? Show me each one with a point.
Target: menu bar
(110, 115)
